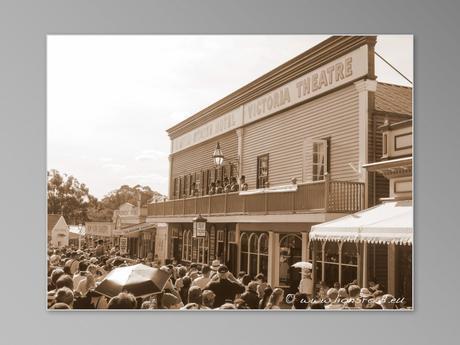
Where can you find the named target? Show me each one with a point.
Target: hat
(343, 293)
(365, 293)
(169, 300)
(64, 295)
(222, 269)
(215, 264)
(93, 260)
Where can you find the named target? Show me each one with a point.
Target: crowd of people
(73, 276)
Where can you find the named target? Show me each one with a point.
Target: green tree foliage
(68, 196)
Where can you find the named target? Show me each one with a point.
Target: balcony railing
(323, 196)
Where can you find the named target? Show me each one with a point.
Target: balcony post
(293, 201)
(183, 206)
(225, 202)
(327, 180)
(209, 205)
(196, 205)
(164, 208)
(244, 204)
(266, 202)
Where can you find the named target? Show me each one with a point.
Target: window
(254, 253)
(263, 254)
(335, 261)
(203, 249)
(187, 246)
(253, 244)
(290, 253)
(220, 245)
(244, 252)
(320, 159)
(262, 171)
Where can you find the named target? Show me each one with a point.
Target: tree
(69, 197)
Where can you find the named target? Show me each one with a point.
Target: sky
(111, 98)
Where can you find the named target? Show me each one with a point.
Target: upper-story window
(319, 159)
(262, 171)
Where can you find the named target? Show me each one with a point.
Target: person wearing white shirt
(306, 285)
(204, 279)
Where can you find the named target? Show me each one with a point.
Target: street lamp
(199, 226)
(80, 227)
(218, 156)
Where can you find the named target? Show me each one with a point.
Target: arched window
(187, 246)
(244, 252)
(263, 254)
(253, 255)
(290, 253)
(203, 249)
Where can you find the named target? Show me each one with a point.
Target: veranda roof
(389, 222)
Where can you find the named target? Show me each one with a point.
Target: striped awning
(389, 222)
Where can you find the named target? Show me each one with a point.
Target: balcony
(322, 196)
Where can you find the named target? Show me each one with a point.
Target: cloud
(114, 166)
(151, 155)
(105, 159)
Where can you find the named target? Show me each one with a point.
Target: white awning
(390, 222)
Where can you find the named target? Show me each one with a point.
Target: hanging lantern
(218, 156)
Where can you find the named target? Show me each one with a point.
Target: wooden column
(365, 278)
(271, 247)
(392, 269)
(314, 279)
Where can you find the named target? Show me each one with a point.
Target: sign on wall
(102, 229)
(123, 245)
(338, 72)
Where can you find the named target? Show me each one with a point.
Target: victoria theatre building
(299, 135)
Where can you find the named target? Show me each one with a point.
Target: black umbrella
(140, 280)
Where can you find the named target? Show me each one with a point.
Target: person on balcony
(234, 185)
(219, 188)
(226, 185)
(243, 184)
(212, 188)
(194, 189)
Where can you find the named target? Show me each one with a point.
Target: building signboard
(123, 245)
(100, 229)
(338, 72)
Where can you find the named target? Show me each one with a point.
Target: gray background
(23, 29)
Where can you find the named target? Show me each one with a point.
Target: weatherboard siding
(282, 136)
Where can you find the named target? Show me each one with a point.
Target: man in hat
(225, 286)
(214, 267)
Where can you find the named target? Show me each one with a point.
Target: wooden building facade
(300, 135)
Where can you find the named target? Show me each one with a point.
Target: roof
(52, 221)
(390, 222)
(391, 98)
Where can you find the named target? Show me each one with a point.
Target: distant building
(58, 231)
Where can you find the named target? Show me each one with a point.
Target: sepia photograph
(230, 172)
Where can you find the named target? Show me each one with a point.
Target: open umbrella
(140, 280)
(303, 264)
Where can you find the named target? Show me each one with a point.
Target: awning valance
(390, 222)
